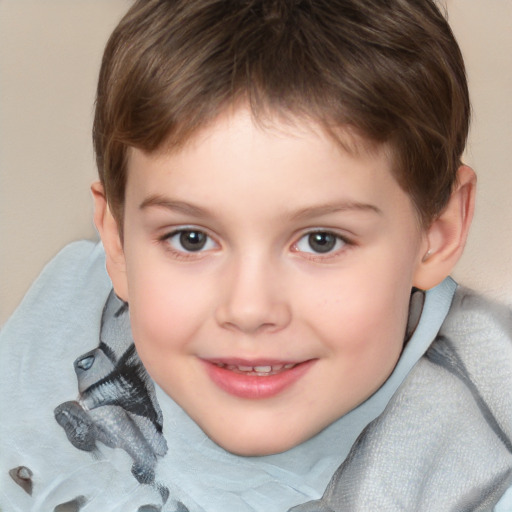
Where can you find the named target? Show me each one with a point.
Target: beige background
(49, 57)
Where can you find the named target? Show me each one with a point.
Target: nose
(254, 299)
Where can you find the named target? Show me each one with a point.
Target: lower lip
(254, 386)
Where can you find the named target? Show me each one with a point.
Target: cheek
(363, 334)
(363, 310)
(165, 310)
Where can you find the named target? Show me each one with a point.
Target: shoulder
(474, 314)
(472, 357)
(76, 273)
(60, 312)
(58, 320)
(467, 372)
(475, 345)
(77, 263)
(62, 309)
(466, 376)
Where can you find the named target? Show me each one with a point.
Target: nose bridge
(255, 297)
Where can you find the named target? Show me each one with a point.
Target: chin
(257, 445)
(258, 449)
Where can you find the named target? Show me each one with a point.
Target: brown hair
(390, 70)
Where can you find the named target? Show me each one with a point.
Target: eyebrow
(159, 201)
(318, 211)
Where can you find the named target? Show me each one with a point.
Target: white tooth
(231, 367)
(287, 366)
(245, 368)
(277, 367)
(263, 369)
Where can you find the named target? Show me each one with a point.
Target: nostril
(254, 321)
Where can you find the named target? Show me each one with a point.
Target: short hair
(388, 70)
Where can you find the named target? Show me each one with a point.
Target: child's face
(268, 273)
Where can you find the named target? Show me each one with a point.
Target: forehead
(285, 164)
(238, 126)
(279, 123)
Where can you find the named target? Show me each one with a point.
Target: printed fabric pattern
(116, 404)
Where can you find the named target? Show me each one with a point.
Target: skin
(260, 290)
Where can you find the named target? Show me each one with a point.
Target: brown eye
(193, 240)
(189, 241)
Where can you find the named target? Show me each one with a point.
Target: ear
(446, 237)
(110, 236)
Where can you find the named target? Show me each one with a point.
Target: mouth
(260, 370)
(256, 380)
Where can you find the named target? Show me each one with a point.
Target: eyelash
(332, 252)
(335, 251)
(184, 254)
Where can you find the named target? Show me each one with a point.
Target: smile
(260, 370)
(256, 380)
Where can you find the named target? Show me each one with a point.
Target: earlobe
(108, 230)
(446, 236)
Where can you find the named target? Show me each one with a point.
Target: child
(281, 201)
